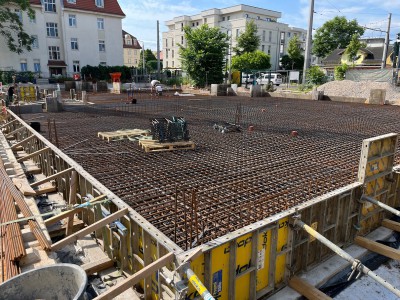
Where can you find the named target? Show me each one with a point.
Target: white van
(275, 78)
(247, 77)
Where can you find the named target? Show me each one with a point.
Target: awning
(56, 63)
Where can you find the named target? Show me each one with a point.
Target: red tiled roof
(110, 6)
(133, 46)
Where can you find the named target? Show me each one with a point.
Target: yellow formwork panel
(283, 231)
(243, 263)
(197, 267)
(264, 249)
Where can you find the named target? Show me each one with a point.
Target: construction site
(253, 196)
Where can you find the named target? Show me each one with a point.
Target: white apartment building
(69, 34)
(274, 36)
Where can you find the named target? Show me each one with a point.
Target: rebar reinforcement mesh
(231, 179)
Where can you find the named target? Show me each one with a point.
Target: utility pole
(307, 57)
(158, 50)
(386, 46)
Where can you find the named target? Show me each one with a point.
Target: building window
(102, 46)
(205, 20)
(129, 61)
(182, 40)
(223, 18)
(103, 63)
(197, 23)
(288, 34)
(258, 18)
(35, 41)
(167, 65)
(246, 15)
(24, 65)
(282, 36)
(270, 36)
(52, 29)
(263, 36)
(71, 1)
(75, 66)
(72, 20)
(181, 26)
(54, 53)
(172, 54)
(100, 23)
(128, 41)
(262, 48)
(100, 3)
(281, 49)
(49, 5)
(19, 13)
(172, 42)
(228, 18)
(74, 43)
(193, 24)
(166, 42)
(36, 65)
(237, 32)
(173, 63)
(269, 50)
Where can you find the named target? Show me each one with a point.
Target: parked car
(275, 78)
(249, 78)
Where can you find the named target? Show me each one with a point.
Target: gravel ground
(361, 89)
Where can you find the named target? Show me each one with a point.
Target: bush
(103, 72)
(340, 71)
(315, 76)
(174, 81)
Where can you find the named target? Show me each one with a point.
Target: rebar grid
(230, 180)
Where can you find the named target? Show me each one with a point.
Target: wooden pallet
(122, 134)
(156, 146)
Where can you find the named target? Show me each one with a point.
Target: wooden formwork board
(122, 134)
(156, 146)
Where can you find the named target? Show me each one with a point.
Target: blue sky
(142, 15)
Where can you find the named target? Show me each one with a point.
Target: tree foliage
(256, 60)
(248, 41)
(203, 57)
(340, 71)
(294, 60)
(315, 76)
(336, 33)
(353, 47)
(11, 27)
(149, 58)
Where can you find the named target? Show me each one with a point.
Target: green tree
(353, 47)
(340, 71)
(256, 60)
(148, 56)
(294, 53)
(315, 76)
(203, 58)
(336, 33)
(248, 41)
(11, 27)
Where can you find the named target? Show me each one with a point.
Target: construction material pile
(172, 129)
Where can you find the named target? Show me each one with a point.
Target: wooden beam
(81, 233)
(72, 200)
(23, 141)
(33, 154)
(51, 177)
(307, 290)
(68, 213)
(59, 229)
(377, 247)
(16, 130)
(8, 123)
(135, 278)
(98, 265)
(391, 225)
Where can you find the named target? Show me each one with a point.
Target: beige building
(132, 50)
(232, 20)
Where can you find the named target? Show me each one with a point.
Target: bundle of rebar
(172, 129)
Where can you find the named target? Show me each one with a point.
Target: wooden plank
(51, 177)
(232, 270)
(391, 225)
(13, 147)
(59, 230)
(23, 185)
(33, 154)
(377, 247)
(72, 201)
(135, 278)
(81, 233)
(306, 289)
(98, 265)
(46, 188)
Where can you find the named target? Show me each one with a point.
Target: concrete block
(377, 96)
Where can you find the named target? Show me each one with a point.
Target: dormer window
(99, 3)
